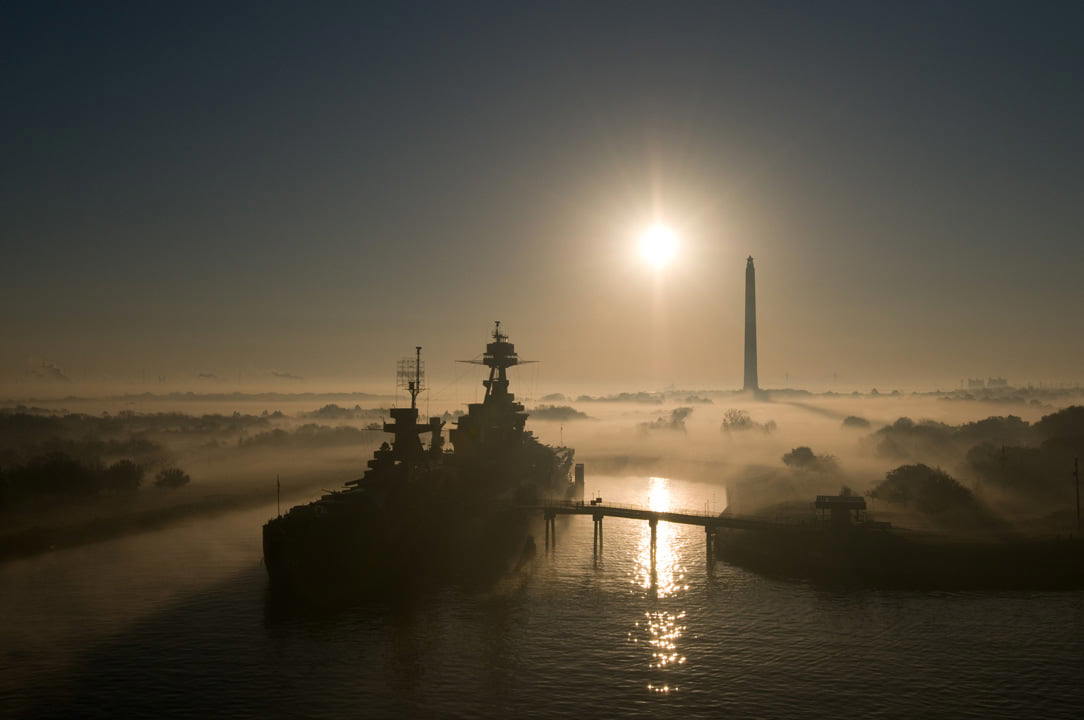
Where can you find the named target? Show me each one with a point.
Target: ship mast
(410, 374)
(416, 386)
(498, 357)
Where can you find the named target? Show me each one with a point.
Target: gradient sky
(314, 188)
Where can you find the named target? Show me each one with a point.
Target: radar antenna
(410, 375)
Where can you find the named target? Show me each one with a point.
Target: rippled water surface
(177, 623)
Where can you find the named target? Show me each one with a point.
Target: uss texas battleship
(425, 513)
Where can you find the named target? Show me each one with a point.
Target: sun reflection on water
(666, 575)
(658, 494)
(662, 577)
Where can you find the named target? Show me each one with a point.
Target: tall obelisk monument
(751, 326)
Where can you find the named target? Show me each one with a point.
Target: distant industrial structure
(751, 383)
(979, 383)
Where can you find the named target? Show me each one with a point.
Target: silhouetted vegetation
(854, 421)
(229, 397)
(1066, 423)
(310, 436)
(803, 458)
(171, 478)
(1041, 474)
(332, 411)
(927, 490)
(58, 477)
(563, 413)
(739, 421)
(1009, 429)
(907, 440)
(1003, 454)
(675, 422)
(50, 459)
(637, 397)
(24, 429)
(123, 476)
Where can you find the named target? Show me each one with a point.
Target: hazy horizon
(853, 492)
(282, 190)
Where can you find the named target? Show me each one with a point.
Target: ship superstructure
(424, 510)
(498, 421)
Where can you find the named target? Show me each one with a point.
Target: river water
(177, 623)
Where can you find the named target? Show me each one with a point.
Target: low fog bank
(942, 461)
(246, 402)
(66, 474)
(961, 462)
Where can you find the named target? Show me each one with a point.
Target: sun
(658, 246)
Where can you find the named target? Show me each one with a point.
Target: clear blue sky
(314, 188)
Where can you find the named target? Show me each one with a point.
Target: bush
(1040, 474)
(738, 420)
(676, 421)
(562, 413)
(172, 478)
(926, 489)
(853, 421)
(907, 440)
(123, 476)
(1067, 422)
(1008, 430)
(800, 457)
(803, 458)
(57, 473)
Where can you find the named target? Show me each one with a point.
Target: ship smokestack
(750, 326)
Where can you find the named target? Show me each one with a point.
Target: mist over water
(236, 235)
(177, 622)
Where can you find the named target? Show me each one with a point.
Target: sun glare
(658, 245)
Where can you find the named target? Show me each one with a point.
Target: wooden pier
(710, 522)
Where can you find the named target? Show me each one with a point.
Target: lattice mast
(410, 375)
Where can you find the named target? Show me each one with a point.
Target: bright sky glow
(658, 246)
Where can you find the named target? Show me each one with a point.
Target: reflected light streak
(669, 574)
(662, 628)
(658, 494)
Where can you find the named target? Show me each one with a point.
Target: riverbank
(896, 560)
(105, 522)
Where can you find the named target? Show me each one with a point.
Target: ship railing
(586, 506)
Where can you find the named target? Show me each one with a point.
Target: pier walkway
(710, 522)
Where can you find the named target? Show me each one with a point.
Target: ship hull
(330, 563)
(362, 549)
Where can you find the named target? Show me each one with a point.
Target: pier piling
(654, 523)
(709, 543)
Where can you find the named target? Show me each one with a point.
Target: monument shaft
(750, 326)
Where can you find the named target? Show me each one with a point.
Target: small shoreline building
(841, 510)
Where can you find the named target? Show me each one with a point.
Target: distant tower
(750, 326)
